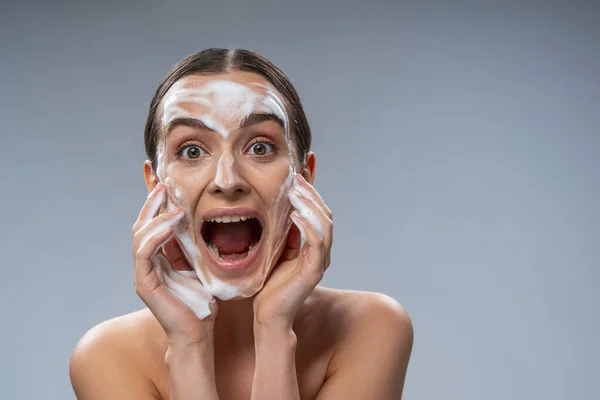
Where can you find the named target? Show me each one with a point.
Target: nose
(227, 180)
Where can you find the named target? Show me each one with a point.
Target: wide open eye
(192, 152)
(261, 149)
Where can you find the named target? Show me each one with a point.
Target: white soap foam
(217, 100)
(161, 227)
(184, 286)
(224, 177)
(305, 210)
(301, 229)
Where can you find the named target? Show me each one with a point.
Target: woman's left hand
(299, 270)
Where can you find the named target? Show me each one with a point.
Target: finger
(313, 268)
(314, 214)
(187, 288)
(174, 289)
(142, 272)
(175, 256)
(292, 244)
(155, 199)
(145, 240)
(309, 191)
(185, 283)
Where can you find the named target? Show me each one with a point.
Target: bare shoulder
(110, 360)
(371, 337)
(358, 321)
(352, 311)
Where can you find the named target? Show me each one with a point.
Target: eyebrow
(256, 118)
(250, 120)
(184, 121)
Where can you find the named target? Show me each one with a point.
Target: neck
(234, 323)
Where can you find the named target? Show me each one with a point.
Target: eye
(261, 149)
(192, 152)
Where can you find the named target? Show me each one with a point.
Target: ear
(149, 176)
(309, 167)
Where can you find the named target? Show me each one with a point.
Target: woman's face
(227, 159)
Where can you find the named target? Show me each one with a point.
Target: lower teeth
(215, 250)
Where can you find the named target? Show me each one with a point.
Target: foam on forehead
(218, 100)
(222, 100)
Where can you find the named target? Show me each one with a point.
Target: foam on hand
(305, 210)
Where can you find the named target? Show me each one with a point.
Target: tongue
(234, 237)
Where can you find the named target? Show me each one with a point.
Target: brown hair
(217, 60)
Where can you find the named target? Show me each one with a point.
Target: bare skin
(291, 340)
(351, 345)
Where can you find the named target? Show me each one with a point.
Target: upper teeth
(228, 218)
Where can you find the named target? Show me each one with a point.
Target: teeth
(229, 218)
(252, 247)
(214, 249)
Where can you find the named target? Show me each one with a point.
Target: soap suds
(212, 103)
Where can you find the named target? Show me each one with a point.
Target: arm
(299, 270)
(191, 372)
(372, 359)
(370, 362)
(275, 366)
(104, 366)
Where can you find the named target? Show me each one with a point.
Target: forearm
(275, 366)
(191, 372)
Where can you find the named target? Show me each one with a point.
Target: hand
(299, 270)
(153, 266)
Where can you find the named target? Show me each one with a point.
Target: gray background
(458, 145)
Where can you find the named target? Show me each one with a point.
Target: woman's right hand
(150, 233)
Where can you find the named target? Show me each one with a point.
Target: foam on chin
(195, 288)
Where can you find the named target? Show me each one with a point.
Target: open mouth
(232, 239)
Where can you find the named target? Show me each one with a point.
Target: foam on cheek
(160, 162)
(178, 195)
(197, 281)
(281, 204)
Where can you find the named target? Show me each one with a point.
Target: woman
(229, 248)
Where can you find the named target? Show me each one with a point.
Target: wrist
(177, 353)
(191, 372)
(275, 335)
(271, 324)
(275, 363)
